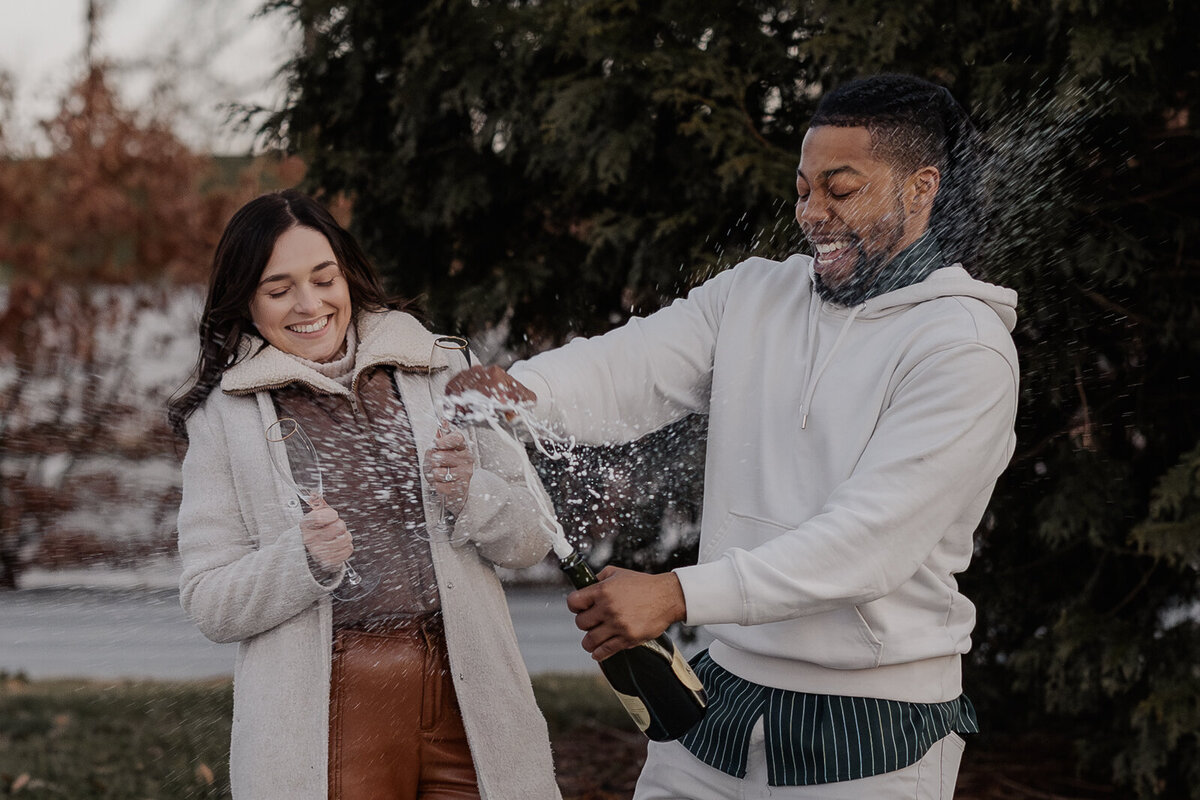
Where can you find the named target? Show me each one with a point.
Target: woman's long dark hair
(914, 123)
(238, 263)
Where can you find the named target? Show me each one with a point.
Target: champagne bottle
(652, 680)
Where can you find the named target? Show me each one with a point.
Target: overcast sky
(211, 51)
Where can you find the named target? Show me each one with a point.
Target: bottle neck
(577, 570)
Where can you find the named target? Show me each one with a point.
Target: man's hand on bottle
(625, 609)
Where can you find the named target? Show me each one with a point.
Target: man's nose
(812, 209)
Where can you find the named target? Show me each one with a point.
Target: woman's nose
(307, 300)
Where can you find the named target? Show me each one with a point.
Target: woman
(415, 689)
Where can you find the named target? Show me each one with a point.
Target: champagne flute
(300, 467)
(448, 344)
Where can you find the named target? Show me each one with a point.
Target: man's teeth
(823, 249)
(312, 327)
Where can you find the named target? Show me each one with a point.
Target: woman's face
(302, 302)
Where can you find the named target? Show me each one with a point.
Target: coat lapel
(390, 337)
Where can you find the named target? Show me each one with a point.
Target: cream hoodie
(851, 455)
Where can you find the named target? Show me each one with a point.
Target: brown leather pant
(395, 729)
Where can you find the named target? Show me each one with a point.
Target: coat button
(449, 584)
(294, 502)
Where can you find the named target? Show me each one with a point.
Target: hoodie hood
(953, 281)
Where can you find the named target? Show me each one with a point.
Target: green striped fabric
(816, 738)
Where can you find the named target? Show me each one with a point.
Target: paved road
(142, 633)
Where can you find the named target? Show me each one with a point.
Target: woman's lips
(309, 328)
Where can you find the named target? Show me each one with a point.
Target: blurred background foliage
(103, 239)
(554, 166)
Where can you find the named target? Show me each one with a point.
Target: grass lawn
(161, 741)
(132, 741)
(137, 741)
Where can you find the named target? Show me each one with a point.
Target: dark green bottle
(653, 680)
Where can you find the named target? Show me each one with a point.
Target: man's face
(855, 210)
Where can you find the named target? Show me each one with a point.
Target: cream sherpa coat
(245, 579)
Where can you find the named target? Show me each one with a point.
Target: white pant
(672, 773)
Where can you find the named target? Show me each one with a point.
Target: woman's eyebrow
(284, 276)
(276, 278)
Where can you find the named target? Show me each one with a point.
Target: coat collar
(385, 337)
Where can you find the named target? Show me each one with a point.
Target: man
(861, 406)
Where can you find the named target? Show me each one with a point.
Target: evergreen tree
(556, 165)
(559, 165)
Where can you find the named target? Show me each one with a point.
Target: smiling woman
(297, 325)
(302, 305)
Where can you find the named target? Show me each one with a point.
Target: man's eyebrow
(829, 173)
(283, 276)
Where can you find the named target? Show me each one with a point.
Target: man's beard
(869, 270)
(857, 287)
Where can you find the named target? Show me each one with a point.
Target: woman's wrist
(320, 573)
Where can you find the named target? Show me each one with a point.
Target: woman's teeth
(312, 327)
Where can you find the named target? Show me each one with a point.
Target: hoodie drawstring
(814, 378)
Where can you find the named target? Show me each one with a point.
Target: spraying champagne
(652, 680)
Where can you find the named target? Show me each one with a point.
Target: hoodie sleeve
(936, 452)
(231, 587)
(634, 379)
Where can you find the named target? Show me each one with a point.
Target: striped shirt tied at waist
(816, 738)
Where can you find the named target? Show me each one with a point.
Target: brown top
(372, 479)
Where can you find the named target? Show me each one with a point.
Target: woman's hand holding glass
(449, 465)
(324, 534)
(326, 537)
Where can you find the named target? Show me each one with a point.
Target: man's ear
(922, 189)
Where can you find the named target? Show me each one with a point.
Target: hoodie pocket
(872, 642)
(841, 637)
(751, 532)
